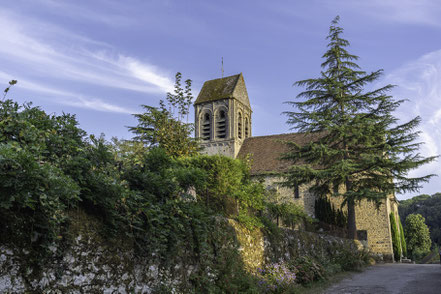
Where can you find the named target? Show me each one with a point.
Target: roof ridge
(237, 81)
(274, 135)
(223, 78)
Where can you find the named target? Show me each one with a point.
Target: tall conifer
(358, 144)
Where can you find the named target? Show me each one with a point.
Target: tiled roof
(266, 151)
(227, 87)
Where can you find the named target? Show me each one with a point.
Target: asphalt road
(392, 278)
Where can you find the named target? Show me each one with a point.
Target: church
(223, 123)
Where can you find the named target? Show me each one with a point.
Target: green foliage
(228, 188)
(34, 197)
(354, 140)
(309, 270)
(402, 238)
(160, 177)
(159, 126)
(289, 213)
(396, 240)
(11, 83)
(350, 260)
(35, 187)
(430, 208)
(127, 152)
(326, 212)
(417, 236)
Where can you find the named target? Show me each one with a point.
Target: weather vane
(222, 67)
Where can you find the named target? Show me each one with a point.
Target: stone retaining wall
(92, 264)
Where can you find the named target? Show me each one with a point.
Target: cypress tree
(357, 143)
(396, 241)
(402, 238)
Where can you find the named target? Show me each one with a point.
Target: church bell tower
(223, 115)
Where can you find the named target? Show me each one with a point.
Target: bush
(228, 188)
(309, 270)
(276, 278)
(34, 197)
(350, 260)
(396, 244)
(35, 186)
(289, 213)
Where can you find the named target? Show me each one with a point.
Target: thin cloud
(420, 82)
(424, 12)
(76, 58)
(96, 104)
(74, 11)
(66, 97)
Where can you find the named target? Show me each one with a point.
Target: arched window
(221, 125)
(206, 127)
(247, 128)
(239, 126)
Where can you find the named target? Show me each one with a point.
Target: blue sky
(101, 59)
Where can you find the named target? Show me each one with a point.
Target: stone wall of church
(375, 221)
(226, 147)
(285, 195)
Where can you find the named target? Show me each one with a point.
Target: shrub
(289, 213)
(34, 197)
(228, 188)
(350, 260)
(308, 270)
(276, 277)
(35, 186)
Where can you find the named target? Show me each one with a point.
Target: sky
(102, 59)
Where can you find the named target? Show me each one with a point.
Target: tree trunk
(352, 228)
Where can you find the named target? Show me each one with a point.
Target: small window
(239, 126)
(247, 133)
(206, 127)
(221, 125)
(296, 191)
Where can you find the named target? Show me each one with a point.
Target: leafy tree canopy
(430, 208)
(163, 126)
(417, 235)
